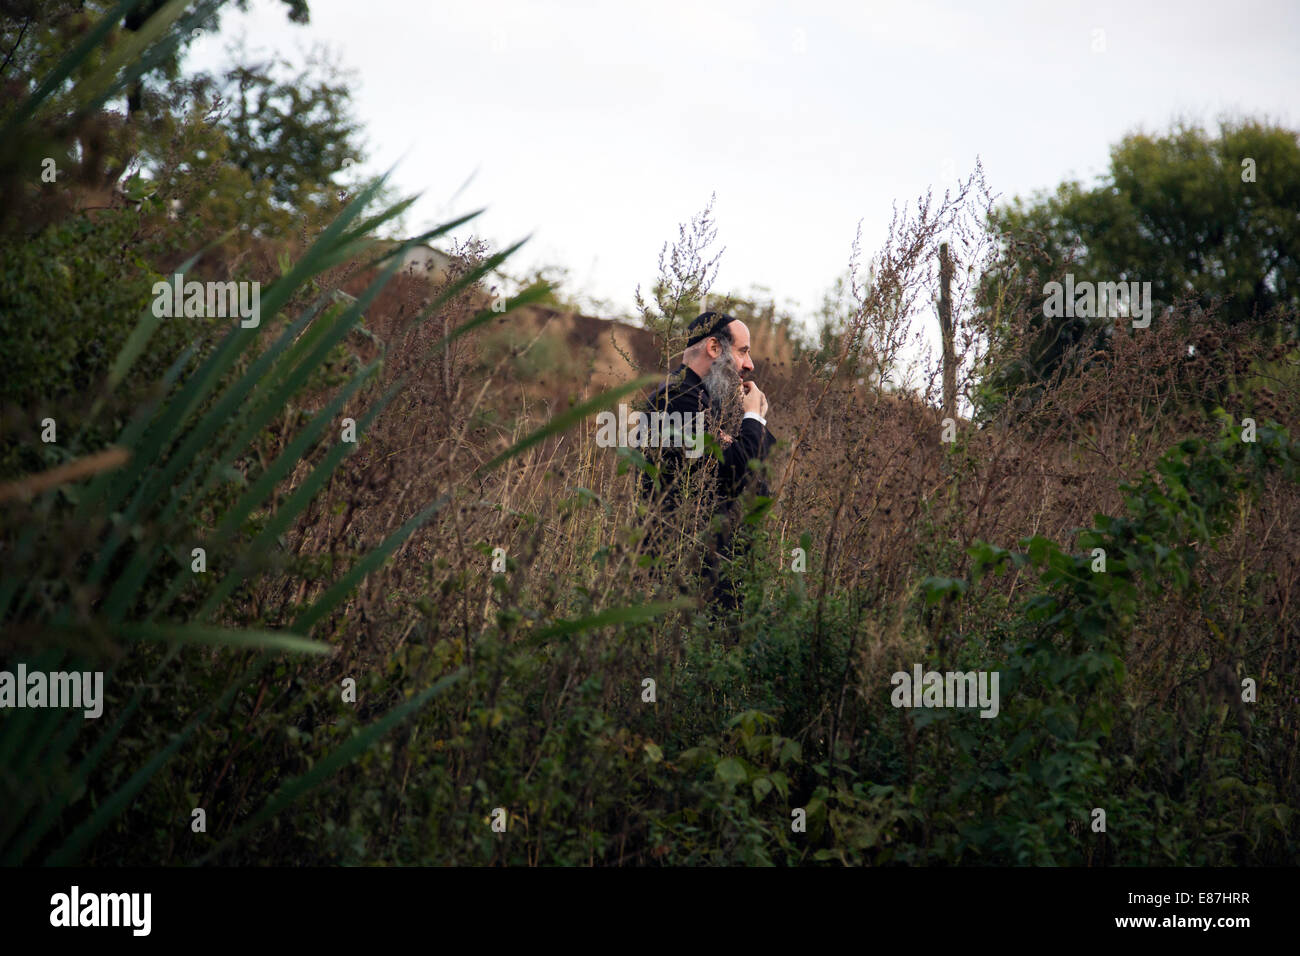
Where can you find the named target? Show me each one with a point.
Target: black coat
(684, 392)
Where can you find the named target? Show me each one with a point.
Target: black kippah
(710, 323)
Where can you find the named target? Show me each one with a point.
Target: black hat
(708, 323)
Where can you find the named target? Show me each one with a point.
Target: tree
(33, 33)
(101, 152)
(1212, 219)
(293, 133)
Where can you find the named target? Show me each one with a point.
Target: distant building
(424, 260)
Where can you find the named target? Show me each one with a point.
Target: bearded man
(696, 498)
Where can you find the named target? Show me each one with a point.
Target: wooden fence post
(945, 327)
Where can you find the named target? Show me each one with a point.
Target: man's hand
(753, 399)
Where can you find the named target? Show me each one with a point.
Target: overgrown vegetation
(473, 563)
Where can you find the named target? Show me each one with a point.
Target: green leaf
(730, 771)
(618, 615)
(568, 419)
(221, 637)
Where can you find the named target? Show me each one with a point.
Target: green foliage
(1173, 210)
(219, 694)
(36, 33)
(293, 133)
(69, 298)
(96, 577)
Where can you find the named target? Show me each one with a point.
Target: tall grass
(97, 573)
(476, 567)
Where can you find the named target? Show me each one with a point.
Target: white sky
(598, 127)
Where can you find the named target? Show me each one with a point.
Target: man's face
(727, 369)
(739, 348)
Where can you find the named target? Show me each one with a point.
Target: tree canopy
(1214, 218)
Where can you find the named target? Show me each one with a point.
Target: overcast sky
(598, 127)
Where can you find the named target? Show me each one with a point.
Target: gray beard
(723, 384)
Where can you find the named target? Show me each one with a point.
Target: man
(690, 490)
